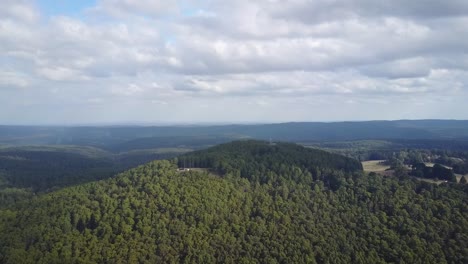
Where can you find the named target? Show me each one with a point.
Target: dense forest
(261, 161)
(433, 172)
(325, 210)
(43, 168)
(386, 149)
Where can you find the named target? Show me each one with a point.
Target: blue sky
(120, 61)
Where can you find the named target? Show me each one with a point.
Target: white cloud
(405, 68)
(138, 7)
(61, 74)
(262, 55)
(20, 10)
(129, 90)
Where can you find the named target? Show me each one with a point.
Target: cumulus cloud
(263, 55)
(21, 10)
(310, 11)
(136, 7)
(405, 68)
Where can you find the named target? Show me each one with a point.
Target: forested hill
(255, 160)
(156, 214)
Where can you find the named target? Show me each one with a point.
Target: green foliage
(10, 196)
(263, 162)
(407, 151)
(41, 170)
(45, 168)
(156, 214)
(436, 172)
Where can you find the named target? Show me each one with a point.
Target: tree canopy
(295, 211)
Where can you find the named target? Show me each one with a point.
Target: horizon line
(204, 123)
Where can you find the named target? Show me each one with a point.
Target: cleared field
(378, 167)
(374, 166)
(459, 176)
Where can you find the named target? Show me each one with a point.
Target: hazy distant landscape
(124, 138)
(100, 152)
(232, 193)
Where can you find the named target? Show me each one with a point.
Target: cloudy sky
(152, 61)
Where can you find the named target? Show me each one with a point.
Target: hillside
(41, 168)
(157, 214)
(254, 160)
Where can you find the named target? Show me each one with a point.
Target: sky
(210, 61)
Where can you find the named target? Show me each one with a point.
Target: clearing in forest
(375, 166)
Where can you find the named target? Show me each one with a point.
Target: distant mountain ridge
(112, 137)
